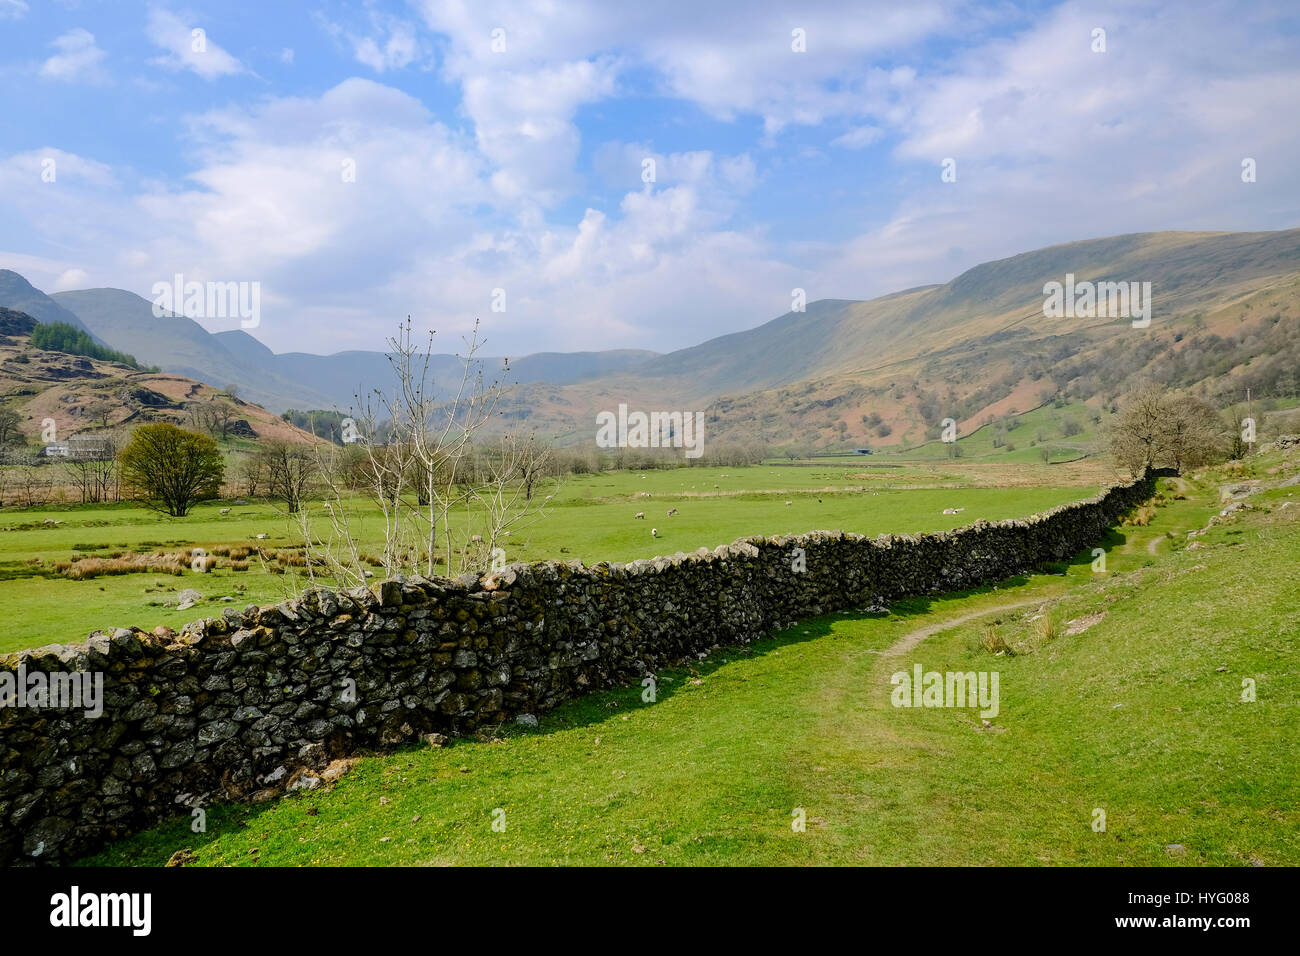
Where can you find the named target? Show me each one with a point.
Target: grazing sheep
(671, 512)
(654, 532)
(639, 514)
(953, 511)
(476, 539)
(225, 511)
(789, 503)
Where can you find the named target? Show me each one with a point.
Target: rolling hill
(293, 379)
(1225, 308)
(842, 373)
(88, 395)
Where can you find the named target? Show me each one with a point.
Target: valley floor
(590, 518)
(1124, 692)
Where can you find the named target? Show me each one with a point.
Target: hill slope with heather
(1224, 313)
(85, 394)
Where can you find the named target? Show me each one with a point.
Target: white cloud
(286, 56)
(12, 9)
(78, 58)
(390, 43)
(71, 279)
(728, 58)
(188, 47)
(859, 137)
(1055, 143)
(396, 50)
(524, 124)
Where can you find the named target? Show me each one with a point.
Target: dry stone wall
(244, 705)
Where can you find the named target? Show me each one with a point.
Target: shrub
(994, 642)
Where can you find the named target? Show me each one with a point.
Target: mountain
(19, 294)
(1225, 316)
(294, 379)
(345, 375)
(177, 344)
(885, 371)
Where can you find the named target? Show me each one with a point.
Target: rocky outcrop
(243, 705)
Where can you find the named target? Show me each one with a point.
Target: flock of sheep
(654, 532)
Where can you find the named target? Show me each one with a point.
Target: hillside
(83, 394)
(843, 373)
(177, 344)
(20, 295)
(884, 372)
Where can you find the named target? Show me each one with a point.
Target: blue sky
(520, 168)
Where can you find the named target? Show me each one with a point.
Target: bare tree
(251, 472)
(442, 499)
(214, 416)
(290, 468)
(32, 484)
(1137, 436)
(1159, 428)
(94, 472)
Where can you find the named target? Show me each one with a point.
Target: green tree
(9, 421)
(171, 468)
(61, 337)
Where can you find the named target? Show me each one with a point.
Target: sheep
(953, 511)
(639, 514)
(789, 503)
(225, 511)
(671, 512)
(654, 532)
(476, 539)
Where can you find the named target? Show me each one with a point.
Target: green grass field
(1025, 436)
(590, 518)
(1140, 716)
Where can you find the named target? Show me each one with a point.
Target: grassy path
(908, 641)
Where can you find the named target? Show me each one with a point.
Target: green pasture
(1139, 716)
(589, 517)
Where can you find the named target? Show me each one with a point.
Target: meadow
(589, 517)
(1122, 693)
